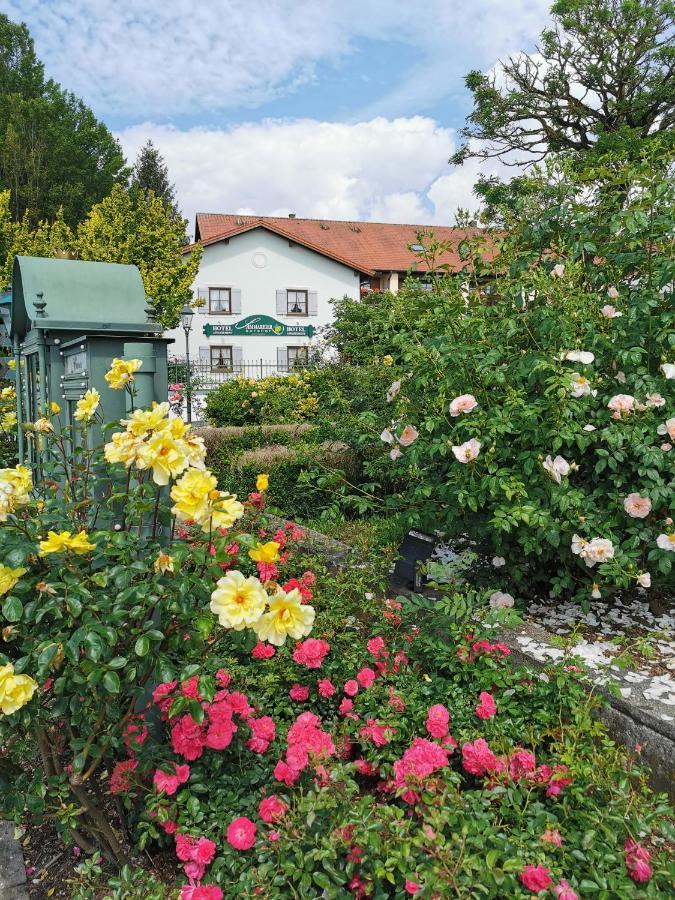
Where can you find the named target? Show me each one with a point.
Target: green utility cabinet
(69, 320)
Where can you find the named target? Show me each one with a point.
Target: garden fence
(205, 378)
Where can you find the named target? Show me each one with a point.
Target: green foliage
(151, 174)
(600, 81)
(133, 228)
(54, 153)
(498, 332)
(266, 401)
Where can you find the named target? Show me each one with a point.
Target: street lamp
(186, 315)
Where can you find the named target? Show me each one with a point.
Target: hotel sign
(259, 326)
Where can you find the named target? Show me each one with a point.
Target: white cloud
(162, 58)
(381, 170)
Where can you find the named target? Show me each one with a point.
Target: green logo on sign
(259, 326)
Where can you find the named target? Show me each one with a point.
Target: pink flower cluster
(170, 783)
(201, 892)
(196, 853)
(419, 761)
(479, 760)
(637, 861)
(301, 584)
(311, 653)
(263, 651)
(189, 738)
(241, 833)
(482, 648)
(380, 735)
(305, 740)
(271, 809)
(120, 777)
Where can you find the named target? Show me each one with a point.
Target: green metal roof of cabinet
(74, 295)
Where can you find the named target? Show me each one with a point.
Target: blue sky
(335, 108)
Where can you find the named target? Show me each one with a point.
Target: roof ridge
(339, 221)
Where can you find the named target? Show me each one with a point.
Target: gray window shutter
(282, 359)
(281, 303)
(238, 359)
(235, 297)
(203, 297)
(205, 355)
(313, 303)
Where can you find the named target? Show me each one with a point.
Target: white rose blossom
(595, 593)
(620, 377)
(599, 550)
(644, 579)
(465, 403)
(408, 435)
(666, 542)
(468, 451)
(387, 436)
(581, 386)
(610, 312)
(589, 428)
(498, 562)
(612, 293)
(393, 391)
(558, 270)
(395, 454)
(499, 600)
(654, 401)
(557, 468)
(668, 427)
(620, 404)
(582, 356)
(668, 370)
(636, 506)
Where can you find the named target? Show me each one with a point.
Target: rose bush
(528, 411)
(108, 564)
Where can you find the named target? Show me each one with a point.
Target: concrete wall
(259, 263)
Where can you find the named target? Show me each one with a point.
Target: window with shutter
(281, 302)
(282, 359)
(313, 306)
(220, 301)
(221, 359)
(296, 303)
(235, 301)
(238, 360)
(204, 356)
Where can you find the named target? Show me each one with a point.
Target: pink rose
(271, 808)
(263, 651)
(535, 878)
(241, 833)
(465, 403)
(636, 506)
(468, 451)
(412, 887)
(326, 687)
(299, 693)
(408, 435)
(438, 720)
(563, 891)
(351, 687)
(366, 677)
(487, 707)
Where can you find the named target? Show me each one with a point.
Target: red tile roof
(370, 247)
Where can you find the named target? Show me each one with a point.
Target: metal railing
(205, 377)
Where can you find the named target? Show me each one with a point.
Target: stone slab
(12, 868)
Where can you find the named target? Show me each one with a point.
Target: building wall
(256, 265)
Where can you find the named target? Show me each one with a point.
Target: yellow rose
(164, 456)
(286, 617)
(239, 602)
(191, 495)
(223, 512)
(9, 577)
(262, 482)
(60, 542)
(122, 373)
(87, 405)
(14, 487)
(143, 421)
(80, 543)
(55, 408)
(123, 448)
(163, 563)
(15, 690)
(43, 426)
(388, 360)
(9, 420)
(267, 553)
(12, 365)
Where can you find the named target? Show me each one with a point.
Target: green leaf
(142, 646)
(12, 609)
(93, 646)
(111, 682)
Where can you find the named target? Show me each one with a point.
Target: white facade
(259, 273)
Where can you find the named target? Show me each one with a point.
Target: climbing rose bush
(531, 415)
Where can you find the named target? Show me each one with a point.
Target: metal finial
(40, 304)
(150, 310)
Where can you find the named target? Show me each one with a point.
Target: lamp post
(186, 315)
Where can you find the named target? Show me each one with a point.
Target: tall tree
(54, 153)
(601, 79)
(132, 227)
(151, 173)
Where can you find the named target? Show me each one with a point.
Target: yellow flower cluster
(9, 577)
(241, 602)
(63, 541)
(15, 485)
(121, 373)
(15, 690)
(8, 420)
(87, 406)
(153, 441)
(265, 553)
(197, 499)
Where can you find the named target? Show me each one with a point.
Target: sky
(346, 109)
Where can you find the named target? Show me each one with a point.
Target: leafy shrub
(565, 346)
(272, 400)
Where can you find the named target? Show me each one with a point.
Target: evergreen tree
(54, 153)
(150, 173)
